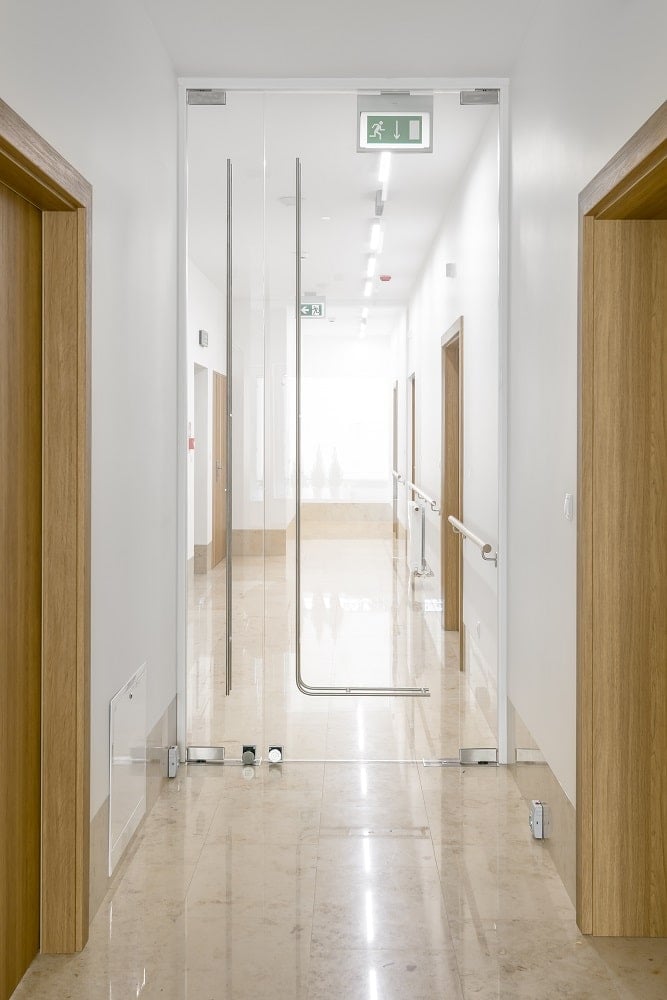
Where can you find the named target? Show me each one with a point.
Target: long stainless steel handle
(310, 689)
(228, 402)
(485, 548)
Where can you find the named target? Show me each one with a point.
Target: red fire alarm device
(191, 444)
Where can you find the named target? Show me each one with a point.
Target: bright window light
(370, 267)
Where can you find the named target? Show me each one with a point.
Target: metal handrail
(435, 506)
(484, 547)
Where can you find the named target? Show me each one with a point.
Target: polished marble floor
(365, 621)
(343, 881)
(354, 872)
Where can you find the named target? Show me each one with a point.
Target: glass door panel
(364, 487)
(226, 301)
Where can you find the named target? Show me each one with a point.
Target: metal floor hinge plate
(466, 757)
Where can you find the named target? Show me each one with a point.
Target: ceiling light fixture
(383, 175)
(368, 288)
(364, 312)
(376, 236)
(385, 167)
(370, 267)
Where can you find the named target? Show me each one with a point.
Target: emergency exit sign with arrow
(404, 130)
(313, 310)
(395, 130)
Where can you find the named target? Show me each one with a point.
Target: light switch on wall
(568, 506)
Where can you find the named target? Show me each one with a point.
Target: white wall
(468, 239)
(95, 82)
(589, 76)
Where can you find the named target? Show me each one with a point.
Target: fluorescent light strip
(370, 267)
(364, 312)
(368, 288)
(376, 236)
(383, 175)
(385, 167)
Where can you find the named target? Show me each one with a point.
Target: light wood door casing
(451, 477)
(412, 430)
(629, 578)
(394, 439)
(219, 467)
(20, 583)
(62, 199)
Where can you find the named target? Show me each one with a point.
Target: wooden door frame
(451, 489)
(35, 171)
(412, 426)
(633, 185)
(394, 447)
(219, 409)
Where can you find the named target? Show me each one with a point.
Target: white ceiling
(345, 38)
(262, 134)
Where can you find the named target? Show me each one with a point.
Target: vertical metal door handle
(228, 402)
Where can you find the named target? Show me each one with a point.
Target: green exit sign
(394, 130)
(404, 130)
(313, 310)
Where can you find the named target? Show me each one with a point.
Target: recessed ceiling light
(368, 288)
(376, 235)
(370, 267)
(364, 312)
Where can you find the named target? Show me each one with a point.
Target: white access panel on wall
(127, 764)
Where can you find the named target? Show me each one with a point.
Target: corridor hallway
(344, 876)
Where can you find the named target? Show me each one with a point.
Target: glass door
(226, 463)
(329, 289)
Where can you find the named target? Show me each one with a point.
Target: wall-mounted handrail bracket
(486, 550)
(434, 504)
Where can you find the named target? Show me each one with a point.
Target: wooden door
(20, 583)
(629, 577)
(45, 308)
(452, 479)
(622, 543)
(219, 467)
